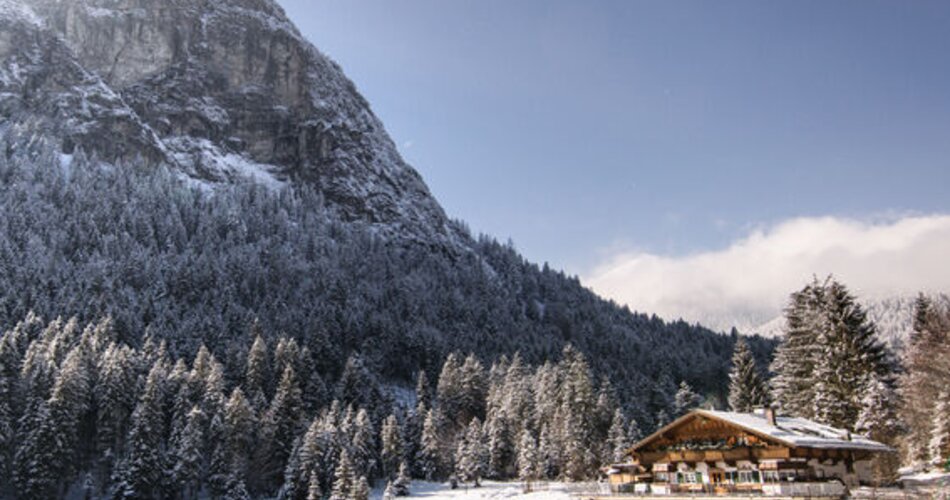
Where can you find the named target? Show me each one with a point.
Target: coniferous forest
(150, 322)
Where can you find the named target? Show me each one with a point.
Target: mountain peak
(217, 90)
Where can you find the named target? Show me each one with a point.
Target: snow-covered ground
(492, 490)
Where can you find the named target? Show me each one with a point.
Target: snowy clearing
(492, 489)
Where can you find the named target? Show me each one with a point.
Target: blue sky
(586, 131)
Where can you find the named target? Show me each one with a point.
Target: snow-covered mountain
(216, 89)
(100, 98)
(893, 317)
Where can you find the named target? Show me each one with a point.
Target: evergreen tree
(423, 390)
(927, 364)
(257, 375)
(686, 400)
(236, 490)
(363, 445)
(528, 466)
(313, 487)
(617, 443)
(361, 489)
(390, 492)
(282, 422)
(850, 356)
(239, 430)
(747, 390)
(470, 458)
(450, 391)
(940, 431)
(501, 449)
(344, 482)
(189, 461)
(143, 468)
(879, 421)
(392, 449)
(305, 463)
(403, 481)
(795, 357)
(70, 408)
(431, 451)
(115, 400)
(35, 473)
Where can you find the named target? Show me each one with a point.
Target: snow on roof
(791, 431)
(797, 432)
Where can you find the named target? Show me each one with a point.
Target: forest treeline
(83, 413)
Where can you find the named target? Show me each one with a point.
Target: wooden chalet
(728, 452)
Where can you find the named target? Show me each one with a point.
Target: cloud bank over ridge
(748, 282)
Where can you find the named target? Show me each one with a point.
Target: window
(749, 476)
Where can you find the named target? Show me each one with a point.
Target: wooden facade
(722, 452)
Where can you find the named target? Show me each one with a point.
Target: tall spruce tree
(747, 389)
(926, 363)
(143, 468)
(829, 356)
(528, 460)
(391, 442)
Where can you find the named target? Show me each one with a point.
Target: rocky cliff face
(218, 89)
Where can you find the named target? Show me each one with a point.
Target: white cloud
(749, 282)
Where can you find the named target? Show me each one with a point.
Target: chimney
(770, 416)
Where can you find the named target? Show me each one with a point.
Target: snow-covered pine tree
(188, 468)
(617, 444)
(9, 368)
(240, 426)
(879, 420)
(34, 468)
(449, 389)
(473, 390)
(686, 399)
(403, 481)
(315, 395)
(361, 489)
(528, 460)
(70, 407)
(142, 469)
(423, 390)
(578, 405)
(747, 389)
(850, 355)
(280, 427)
(926, 363)
(390, 492)
(940, 431)
(412, 438)
(363, 449)
(235, 489)
(391, 451)
(257, 377)
(115, 395)
(795, 357)
(344, 481)
(314, 492)
(431, 458)
(471, 455)
(549, 457)
(305, 464)
(286, 354)
(501, 448)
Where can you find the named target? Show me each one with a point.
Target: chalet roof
(790, 431)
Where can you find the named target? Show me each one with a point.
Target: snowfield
(492, 489)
